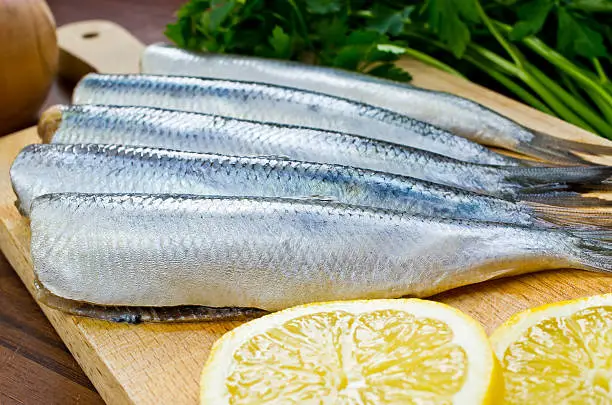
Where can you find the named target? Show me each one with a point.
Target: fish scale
(53, 168)
(271, 253)
(448, 111)
(216, 134)
(269, 103)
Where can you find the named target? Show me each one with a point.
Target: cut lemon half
(558, 354)
(406, 351)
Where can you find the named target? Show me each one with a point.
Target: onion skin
(28, 60)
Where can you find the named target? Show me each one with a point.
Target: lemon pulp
(378, 357)
(566, 359)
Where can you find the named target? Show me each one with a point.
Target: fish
(447, 111)
(177, 130)
(92, 168)
(170, 251)
(283, 105)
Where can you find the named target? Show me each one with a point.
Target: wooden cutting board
(160, 364)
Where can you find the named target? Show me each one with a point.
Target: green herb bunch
(551, 54)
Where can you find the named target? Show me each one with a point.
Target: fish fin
(184, 313)
(558, 150)
(593, 250)
(539, 180)
(565, 199)
(572, 216)
(135, 315)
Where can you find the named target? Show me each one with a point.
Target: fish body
(217, 134)
(270, 103)
(91, 168)
(447, 111)
(267, 253)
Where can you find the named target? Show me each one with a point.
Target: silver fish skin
(204, 133)
(180, 130)
(216, 134)
(91, 168)
(165, 250)
(269, 103)
(444, 110)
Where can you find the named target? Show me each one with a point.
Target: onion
(28, 60)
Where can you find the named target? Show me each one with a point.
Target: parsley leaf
(313, 30)
(391, 49)
(468, 9)
(362, 37)
(178, 33)
(575, 37)
(358, 46)
(532, 16)
(387, 20)
(183, 32)
(324, 6)
(330, 33)
(390, 71)
(447, 18)
(349, 57)
(364, 48)
(219, 10)
(281, 43)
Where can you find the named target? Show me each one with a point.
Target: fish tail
(49, 122)
(588, 218)
(539, 180)
(593, 249)
(557, 150)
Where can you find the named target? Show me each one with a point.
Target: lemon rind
(518, 323)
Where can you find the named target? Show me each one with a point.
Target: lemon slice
(558, 354)
(405, 351)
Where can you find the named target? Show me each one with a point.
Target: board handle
(97, 46)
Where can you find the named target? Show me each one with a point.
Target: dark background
(35, 366)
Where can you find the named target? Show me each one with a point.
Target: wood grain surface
(152, 364)
(35, 365)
